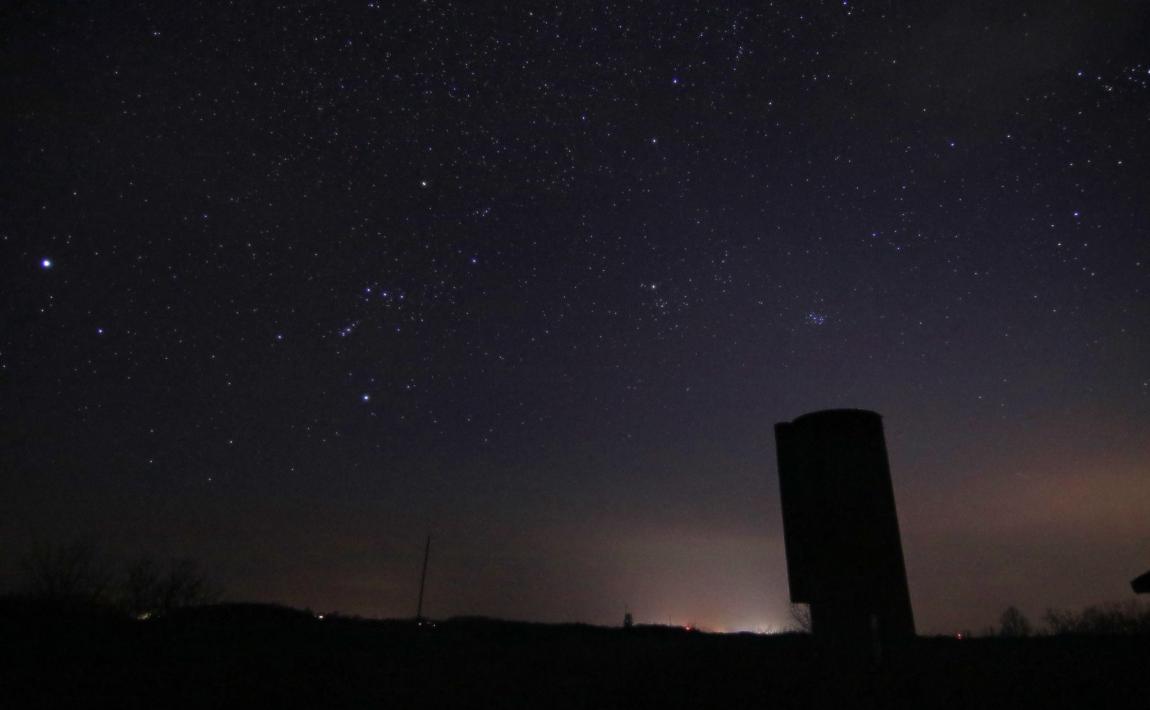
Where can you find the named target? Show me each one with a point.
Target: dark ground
(248, 656)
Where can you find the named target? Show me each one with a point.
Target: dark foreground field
(262, 658)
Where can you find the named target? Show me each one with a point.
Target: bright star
(45, 263)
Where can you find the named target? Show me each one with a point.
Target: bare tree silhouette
(149, 590)
(1014, 624)
(75, 573)
(1118, 618)
(78, 574)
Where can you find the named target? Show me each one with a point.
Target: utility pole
(423, 580)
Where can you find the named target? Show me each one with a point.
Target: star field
(288, 286)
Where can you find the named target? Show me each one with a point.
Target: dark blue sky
(541, 277)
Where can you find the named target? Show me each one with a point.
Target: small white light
(46, 263)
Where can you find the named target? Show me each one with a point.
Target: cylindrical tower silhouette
(844, 553)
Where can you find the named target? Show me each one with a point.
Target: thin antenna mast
(423, 579)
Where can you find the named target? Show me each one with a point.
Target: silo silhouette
(844, 553)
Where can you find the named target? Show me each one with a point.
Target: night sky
(286, 287)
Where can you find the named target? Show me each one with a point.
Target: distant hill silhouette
(260, 655)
